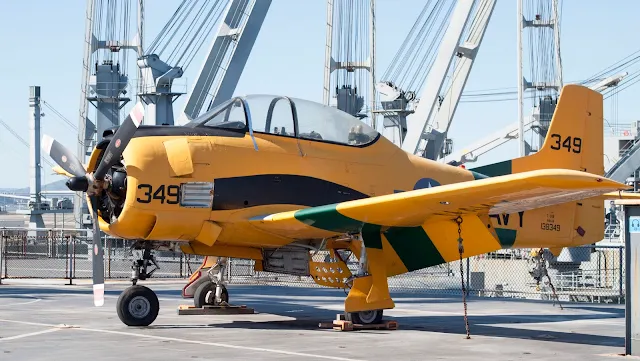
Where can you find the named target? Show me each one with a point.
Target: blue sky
(43, 45)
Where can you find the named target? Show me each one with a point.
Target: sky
(43, 45)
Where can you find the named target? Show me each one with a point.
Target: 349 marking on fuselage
(172, 195)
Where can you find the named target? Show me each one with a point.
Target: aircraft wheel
(365, 317)
(138, 306)
(205, 294)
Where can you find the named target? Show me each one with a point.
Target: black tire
(365, 317)
(138, 306)
(200, 296)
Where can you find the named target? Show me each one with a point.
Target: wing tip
(607, 182)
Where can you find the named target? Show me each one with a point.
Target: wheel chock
(215, 310)
(340, 324)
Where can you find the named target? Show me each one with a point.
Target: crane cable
(417, 47)
(350, 24)
(62, 117)
(185, 32)
(18, 137)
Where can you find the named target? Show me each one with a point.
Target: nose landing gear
(138, 305)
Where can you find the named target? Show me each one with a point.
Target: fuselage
(202, 182)
(276, 173)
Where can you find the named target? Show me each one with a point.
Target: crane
(419, 123)
(227, 56)
(175, 47)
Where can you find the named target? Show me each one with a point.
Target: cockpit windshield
(229, 115)
(286, 116)
(325, 123)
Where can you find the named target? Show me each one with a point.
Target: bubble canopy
(288, 117)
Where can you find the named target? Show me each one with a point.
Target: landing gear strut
(213, 291)
(138, 305)
(363, 317)
(139, 267)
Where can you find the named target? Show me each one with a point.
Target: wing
(504, 194)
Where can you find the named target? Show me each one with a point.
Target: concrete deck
(51, 321)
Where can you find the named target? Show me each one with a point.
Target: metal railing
(613, 233)
(620, 129)
(65, 254)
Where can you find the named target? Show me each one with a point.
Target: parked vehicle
(45, 206)
(65, 203)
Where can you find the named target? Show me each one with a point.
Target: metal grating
(196, 194)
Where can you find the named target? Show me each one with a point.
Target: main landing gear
(213, 291)
(365, 317)
(369, 317)
(138, 305)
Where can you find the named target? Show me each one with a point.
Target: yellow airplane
(274, 179)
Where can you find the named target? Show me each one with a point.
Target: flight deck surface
(46, 320)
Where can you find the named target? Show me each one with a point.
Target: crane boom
(432, 142)
(227, 56)
(417, 122)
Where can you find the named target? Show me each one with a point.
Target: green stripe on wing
(411, 244)
(414, 247)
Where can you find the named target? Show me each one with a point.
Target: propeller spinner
(94, 183)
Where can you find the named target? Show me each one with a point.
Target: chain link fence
(66, 254)
(597, 275)
(506, 273)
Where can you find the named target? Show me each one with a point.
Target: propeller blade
(61, 155)
(120, 140)
(98, 259)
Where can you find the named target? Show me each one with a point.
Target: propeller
(95, 183)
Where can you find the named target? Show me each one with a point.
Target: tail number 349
(163, 193)
(571, 144)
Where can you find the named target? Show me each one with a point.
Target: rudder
(574, 140)
(575, 137)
